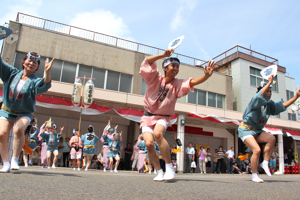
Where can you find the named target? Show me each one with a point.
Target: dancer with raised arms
(20, 88)
(113, 149)
(159, 104)
(108, 131)
(255, 118)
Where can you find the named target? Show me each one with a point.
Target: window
(292, 116)
(192, 97)
(56, 70)
(212, 99)
(206, 98)
(289, 95)
(201, 97)
(112, 81)
(69, 72)
(66, 71)
(85, 70)
(99, 75)
(125, 83)
(256, 79)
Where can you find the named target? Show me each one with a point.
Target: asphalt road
(64, 183)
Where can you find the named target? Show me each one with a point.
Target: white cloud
(30, 7)
(183, 13)
(102, 21)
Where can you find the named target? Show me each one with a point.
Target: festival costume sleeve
(149, 72)
(96, 138)
(276, 107)
(258, 100)
(184, 87)
(40, 85)
(44, 135)
(104, 133)
(82, 138)
(6, 70)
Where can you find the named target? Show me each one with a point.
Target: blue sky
(271, 27)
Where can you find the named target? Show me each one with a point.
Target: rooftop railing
(126, 44)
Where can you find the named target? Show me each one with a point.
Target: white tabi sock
(6, 167)
(14, 163)
(265, 166)
(256, 179)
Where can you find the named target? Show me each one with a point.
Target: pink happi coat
(43, 147)
(161, 100)
(73, 151)
(105, 147)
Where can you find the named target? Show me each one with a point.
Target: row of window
(67, 71)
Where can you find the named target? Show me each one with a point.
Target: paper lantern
(76, 95)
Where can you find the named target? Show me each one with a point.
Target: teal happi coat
(25, 101)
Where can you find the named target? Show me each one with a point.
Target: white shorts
(243, 138)
(150, 129)
(78, 156)
(13, 121)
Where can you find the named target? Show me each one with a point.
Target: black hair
(90, 129)
(32, 121)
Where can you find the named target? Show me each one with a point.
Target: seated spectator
(236, 169)
(36, 157)
(99, 161)
(93, 164)
(248, 169)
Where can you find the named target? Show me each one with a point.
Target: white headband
(170, 61)
(263, 84)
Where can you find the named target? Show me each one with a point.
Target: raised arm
(121, 136)
(293, 99)
(152, 59)
(208, 71)
(48, 67)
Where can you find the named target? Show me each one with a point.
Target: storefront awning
(214, 118)
(274, 131)
(93, 109)
(294, 134)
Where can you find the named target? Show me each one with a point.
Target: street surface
(64, 183)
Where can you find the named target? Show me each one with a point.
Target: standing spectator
(208, 164)
(215, 161)
(286, 158)
(66, 152)
(134, 156)
(189, 157)
(230, 156)
(202, 164)
(290, 156)
(60, 151)
(128, 154)
(273, 161)
(220, 156)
